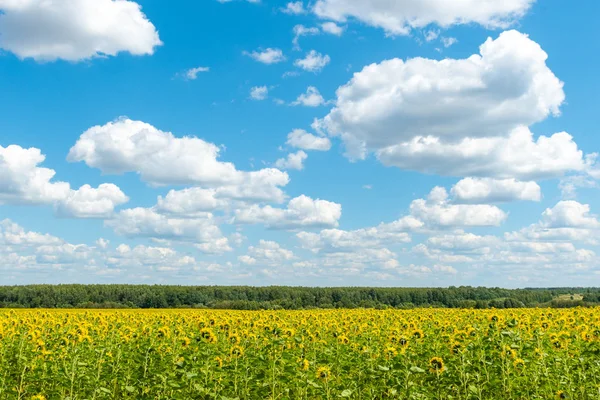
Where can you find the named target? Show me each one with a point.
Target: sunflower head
(323, 373)
(436, 365)
(561, 394)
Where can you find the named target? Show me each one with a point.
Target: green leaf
(346, 393)
(130, 389)
(382, 368)
(416, 369)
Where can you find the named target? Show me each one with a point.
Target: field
(322, 354)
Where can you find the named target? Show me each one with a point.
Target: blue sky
(330, 142)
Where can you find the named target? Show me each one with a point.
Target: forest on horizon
(288, 297)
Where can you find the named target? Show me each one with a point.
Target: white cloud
(312, 98)
(519, 156)
(294, 7)
(487, 190)
(436, 211)
(148, 223)
(267, 56)
(569, 214)
(245, 259)
(163, 159)
(89, 202)
(395, 102)
(301, 30)
(268, 252)
(259, 93)
(293, 161)
(192, 73)
(449, 41)
(23, 182)
(313, 61)
(75, 30)
(190, 202)
(332, 28)
(431, 35)
(303, 140)
(400, 17)
(301, 212)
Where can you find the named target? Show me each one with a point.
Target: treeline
(284, 297)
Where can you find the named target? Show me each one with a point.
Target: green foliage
(289, 298)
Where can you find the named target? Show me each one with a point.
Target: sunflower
(305, 365)
(38, 397)
(391, 352)
(323, 373)
(236, 351)
(561, 394)
(519, 363)
(218, 362)
(436, 365)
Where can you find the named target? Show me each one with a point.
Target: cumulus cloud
(313, 61)
(22, 181)
(192, 73)
(267, 56)
(303, 140)
(259, 93)
(487, 190)
(89, 202)
(506, 86)
(190, 202)
(569, 214)
(518, 156)
(292, 161)
(332, 28)
(301, 30)
(312, 98)
(75, 30)
(400, 17)
(437, 211)
(268, 252)
(301, 212)
(149, 223)
(160, 158)
(294, 7)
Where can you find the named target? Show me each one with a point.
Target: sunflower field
(316, 354)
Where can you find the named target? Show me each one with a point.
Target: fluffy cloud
(293, 161)
(267, 253)
(75, 30)
(89, 202)
(301, 211)
(487, 190)
(332, 28)
(437, 211)
(400, 17)
(303, 140)
(396, 102)
(148, 223)
(190, 202)
(301, 30)
(313, 61)
(163, 159)
(294, 7)
(22, 181)
(312, 98)
(192, 73)
(259, 93)
(569, 214)
(267, 56)
(519, 156)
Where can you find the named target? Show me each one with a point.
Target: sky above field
(320, 143)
